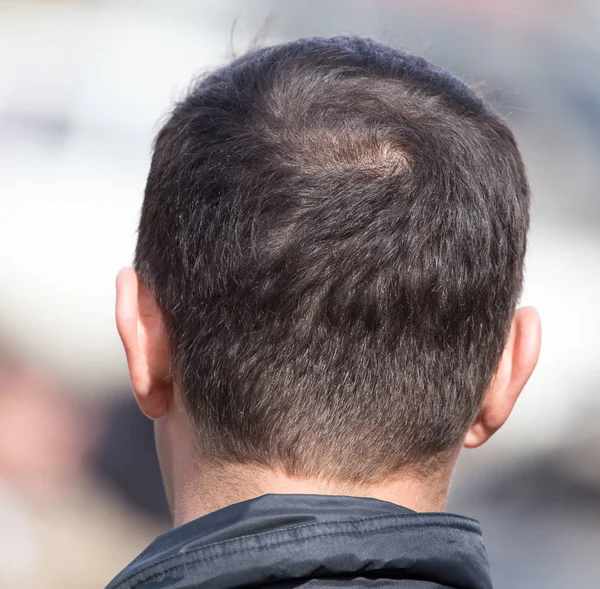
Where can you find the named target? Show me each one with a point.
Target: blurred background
(83, 87)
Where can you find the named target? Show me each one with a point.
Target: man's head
(330, 256)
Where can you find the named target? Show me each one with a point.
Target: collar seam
(146, 575)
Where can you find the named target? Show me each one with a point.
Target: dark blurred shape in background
(83, 85)
(126, 458)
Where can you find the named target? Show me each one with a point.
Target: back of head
(334, 232)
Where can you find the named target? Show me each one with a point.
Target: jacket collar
(282, 537)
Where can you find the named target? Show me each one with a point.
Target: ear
(518, 360)
(142, 332)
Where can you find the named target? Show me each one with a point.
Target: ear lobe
(518, 361)
(142, 333)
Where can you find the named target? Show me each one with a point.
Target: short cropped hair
(334, 231)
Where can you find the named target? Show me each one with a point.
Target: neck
(196, 486)
(226, 485)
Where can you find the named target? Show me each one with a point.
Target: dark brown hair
(334, 231)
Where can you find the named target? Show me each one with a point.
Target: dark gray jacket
(314, 541)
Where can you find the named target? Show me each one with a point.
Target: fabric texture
(314, 541)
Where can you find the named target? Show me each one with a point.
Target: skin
(186, 471)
